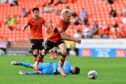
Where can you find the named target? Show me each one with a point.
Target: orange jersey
(36, 27)
(60, 27)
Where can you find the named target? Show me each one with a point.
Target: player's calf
(62, 59)
(15, 63)
(41, 57)
(35, 53)
(35, 57)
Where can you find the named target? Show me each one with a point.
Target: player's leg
(34, 49)
(25, 64)
(43, 51)
(53, 53)
(39, 47)
(48, 45)
(40, 59)
(42, 54)
(63, 49)
(35, 54)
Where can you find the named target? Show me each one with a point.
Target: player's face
(67, 16)
(73, 70)
(36, 13)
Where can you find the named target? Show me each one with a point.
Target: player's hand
(61, 71)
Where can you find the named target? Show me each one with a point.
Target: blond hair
(64, 11)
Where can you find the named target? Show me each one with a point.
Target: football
(92, 74)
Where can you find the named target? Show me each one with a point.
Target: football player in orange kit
(36, 37)
(53, 52)
(57, 37)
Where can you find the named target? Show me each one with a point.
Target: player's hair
(77, 70)
(64, 11)
(33, 9)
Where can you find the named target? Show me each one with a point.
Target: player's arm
(48, 25)
(66, 37)
(60, 70)
(25, 26)
(30, 73)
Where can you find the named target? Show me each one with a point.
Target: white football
(92, 74)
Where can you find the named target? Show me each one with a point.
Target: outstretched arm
(48, 25)
(64, 36)
(26, 26)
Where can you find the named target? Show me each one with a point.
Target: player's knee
(44, 52)
(35, 52)
(64, 52)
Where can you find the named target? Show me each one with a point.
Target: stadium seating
(96, 11)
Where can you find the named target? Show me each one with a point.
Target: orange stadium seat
(96, 11)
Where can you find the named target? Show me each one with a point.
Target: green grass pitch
(110, 71)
